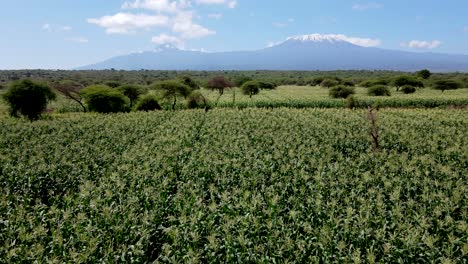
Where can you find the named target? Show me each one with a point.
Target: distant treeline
(147, 77)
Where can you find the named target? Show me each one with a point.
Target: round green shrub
(148, 103)
(103, 99)
(28, 98)
(250, 88)
(408, 89)
(378, 90)
(196, 100)
(341, 91)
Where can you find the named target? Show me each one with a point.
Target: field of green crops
(249, 186)
(307, 96)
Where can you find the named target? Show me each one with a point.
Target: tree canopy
(28, 98)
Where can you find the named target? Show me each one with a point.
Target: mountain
(308, 52)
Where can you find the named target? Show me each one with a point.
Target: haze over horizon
(57, 34)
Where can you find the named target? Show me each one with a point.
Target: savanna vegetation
(223, 167)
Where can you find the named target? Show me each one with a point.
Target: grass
(251, 185)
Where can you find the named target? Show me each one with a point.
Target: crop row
(252, 185)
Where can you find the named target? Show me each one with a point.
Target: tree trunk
(174, 104)
(234, 97)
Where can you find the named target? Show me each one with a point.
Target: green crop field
(307, 96)
(302, 97)
(254, 186)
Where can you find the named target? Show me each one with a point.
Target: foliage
(240, 80)
(103, 99)
(132, 92)
(147, 103)
(327, 83)
(349, 83)
(424, 74)
(250, 88)
(197, 100)
(219, 83)
(341, 91)
(444, 85)
(378, 90)
(172, 90)
(408, 89)
(370, 83)
(182, 187)
(267, 85)
(407, 80)
(112, 84)
(190, 83)
(28, 98)
(71, 90)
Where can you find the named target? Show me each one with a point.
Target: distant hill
(308, 52)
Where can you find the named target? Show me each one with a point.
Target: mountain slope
(308, 52)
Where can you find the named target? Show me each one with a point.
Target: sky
(64, 34)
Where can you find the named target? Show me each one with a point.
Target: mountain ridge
(305, 52)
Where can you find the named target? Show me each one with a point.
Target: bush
(378, 90)
(190, 83)
(267, 85)
(446, 85)
(172, 89)
(341, 91)
(148, 103)
(132, 92)
(196, 100)
(349, 83)
(370, 83)
(103, 99)
(240, 80)
(407, 80)
(28, 98)
(408, 89)
(250, 88)
(327, 83)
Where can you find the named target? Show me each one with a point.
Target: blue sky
(69, 33)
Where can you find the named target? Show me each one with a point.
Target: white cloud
(47, 27)
(364, 42)
(177, 16)
(183, 25)
(164, 39)
(123, 23)
(229, 3)
(420, 44)
(157, 5)
(215, 16)
(367, 6)
(78, 40)
(55, 28)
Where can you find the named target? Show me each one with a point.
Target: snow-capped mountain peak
(332, 38)
(335, 39)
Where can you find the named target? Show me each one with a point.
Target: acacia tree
(71, 90)
(103, 99)
(446, 85)
(407, 80)
(190, 83)
(250, 88)
(425, 74)
(28, 98)
(172, 89)
(131, 91)
(220, 84)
